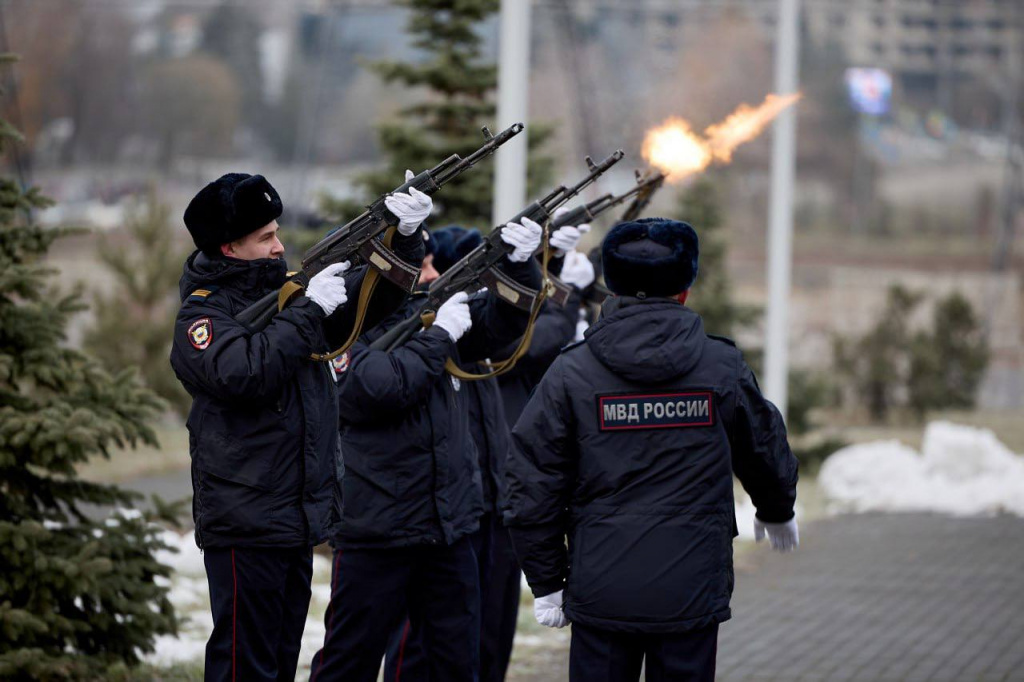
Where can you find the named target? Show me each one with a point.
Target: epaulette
(722, 338)
(572, 345)
(200, 295)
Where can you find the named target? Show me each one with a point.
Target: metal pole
(513, 82)
(780, 231)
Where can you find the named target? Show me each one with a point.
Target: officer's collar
(257, 275)
(616, 303)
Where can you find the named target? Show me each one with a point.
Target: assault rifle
(478, 268)
(359, 237)
(646, 185)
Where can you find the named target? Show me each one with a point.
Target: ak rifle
(479, 269)
(646, 185)
(360, 236)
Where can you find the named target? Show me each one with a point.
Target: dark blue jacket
(554, 329)
(628, 448)
(410, 474)
(490, 432)
(263, 424)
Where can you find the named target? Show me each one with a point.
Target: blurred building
(928, 45)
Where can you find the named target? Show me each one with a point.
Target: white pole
(780, 230)
(513, 82)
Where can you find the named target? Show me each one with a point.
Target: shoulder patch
(200, 333)
(726, 339)
(200, 295)
(339, 365)
(656, 410)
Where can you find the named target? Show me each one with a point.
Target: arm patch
(661, 410)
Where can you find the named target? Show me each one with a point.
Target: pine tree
(947, 363)
(700, 205)
(146, 269)
(78, 597)
(449, 119)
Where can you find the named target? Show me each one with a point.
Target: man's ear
(682, 297)
(227, 250)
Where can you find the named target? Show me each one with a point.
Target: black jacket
(554, 329)
(263, 424)
(409, 473)
(490, 434)
(628, 448)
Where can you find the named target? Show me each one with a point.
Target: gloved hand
(411, 209)
(453, 316)
(327, 288)
(785, 537)
(565, 238)
(524, 237)
(577, 270)
(548, 610)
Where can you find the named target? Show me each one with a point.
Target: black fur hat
(229, 208)
(650, 257)
(451, 244)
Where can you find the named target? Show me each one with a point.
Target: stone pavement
(882, 597)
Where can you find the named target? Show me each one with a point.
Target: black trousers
(259, 599)
(602, 656)
(372, 592)
(406, 659)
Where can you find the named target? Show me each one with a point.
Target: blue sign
(870, 90)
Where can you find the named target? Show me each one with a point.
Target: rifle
(359, 237)
(646, 185)
(478, 268)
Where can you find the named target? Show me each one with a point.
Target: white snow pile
(961, 470)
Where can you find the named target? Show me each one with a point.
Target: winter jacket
(263, 424)
(409, 472)
(490, 432)
(628, 449)
(555, 328)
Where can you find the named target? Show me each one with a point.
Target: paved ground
(866, 597)
(873, 597)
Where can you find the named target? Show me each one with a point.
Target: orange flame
(679, 152)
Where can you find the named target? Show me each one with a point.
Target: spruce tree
(458, 103)
(146, 265)
(78, 597)
(701, 206)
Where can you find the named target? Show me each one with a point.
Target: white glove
(524, 237)
(548, 610)
(785, 537)
(453, 316)
(327, 288)
(577, 270)
(565, 238)
(411, 209)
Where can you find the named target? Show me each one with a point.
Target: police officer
(263, 423)
(628, 448)
(410, 492)
(555, 327)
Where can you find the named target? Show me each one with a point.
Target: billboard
(870, 90)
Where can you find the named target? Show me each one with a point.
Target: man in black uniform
(264, 417)
(628, 448)
(410, 489)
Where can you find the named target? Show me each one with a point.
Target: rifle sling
(291, 289)
(503, 366)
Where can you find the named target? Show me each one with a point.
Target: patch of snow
(961, 470)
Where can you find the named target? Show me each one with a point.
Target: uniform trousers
(603, 656)
(259, 599)
(372, 592)
(500, 581)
